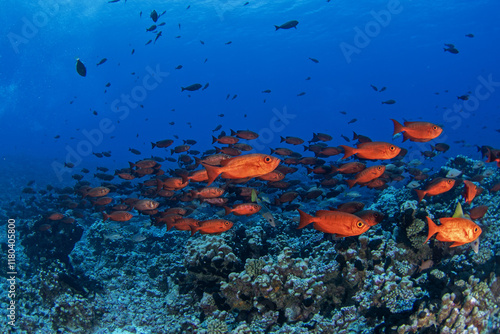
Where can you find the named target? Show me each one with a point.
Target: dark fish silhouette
(80, 68)
(154, 15)
(192, 87)
(288, 25)
(374, 88)
(314, 60)
(103, 60)
(389, 102)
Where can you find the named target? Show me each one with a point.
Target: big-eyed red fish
(417, 131)
(334, 222)
(436, 187)
(456, 229)
(375, 150)
(212, 226)
(250, 165)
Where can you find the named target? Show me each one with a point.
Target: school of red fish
(242, 177)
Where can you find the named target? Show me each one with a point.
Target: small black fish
(227, 43)
(217, 128)
(192, 87)
(178, 67)
(389, 102)
(234, 96)
(57, 137)
(152, 28)
(157, 36)
(95, 112)
(463, 97)
(343, 112)
(220, 115)
(113, 1)
(148, 42)
(246, 3)
(227, 97)
(161, 24)
(179, 26)
(203, 43)
(206, 59)
(352, 121)
(178, 36)
(301, 94)
(266, 91)
(134, 151)
(450, 49)
(345, 138)
(469, 35)
(374, 88)
(80, 68)
(133, 50)
(172, 123)
(382, 89)
(153, 15)
(103, 60)
(314, 60)
(288, 25)
(108, 84)
(205, 87)
(308, 78)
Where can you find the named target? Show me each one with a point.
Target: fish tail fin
(397, 127)
(282, 139)
(183, 89)
(159, 185)
(309, 170)
(305, 219)
(105, 216)
(351, 182)
(214, 139)
(420, 194)
(170, 225)
(233, 133)
(171, 151)
(184, 177)
(212, 172)
(272, 151)
(131, 164)
(153, 145)
(194, 229)
(277, 27)
(433, 229)
(305, 148)
(227, 210)
(348, 151)
(354, 135)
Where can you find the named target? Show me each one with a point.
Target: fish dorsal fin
(322, 213)
(459, 213)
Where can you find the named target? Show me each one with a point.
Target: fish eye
(475, 229)
(379, 168)
(267, 159)
(434, 127)
(392, 148)
(449, 181)
(360, 224)
(226, 223)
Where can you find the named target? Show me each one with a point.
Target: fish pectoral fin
(456, 243)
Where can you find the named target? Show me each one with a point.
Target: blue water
(38, 77)
(320, 76)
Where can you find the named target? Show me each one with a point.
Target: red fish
(470, 191)
(250, 165)
(366, 175)
(212, 226)
(437, 187)
(244, 209)
(478, 212)
(456, 229)
(334, 222)
(375, 150)
(417, 131)
(117, 216)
